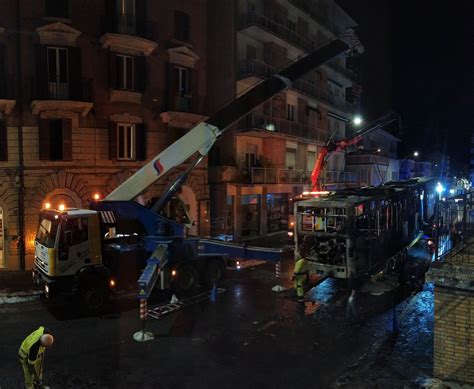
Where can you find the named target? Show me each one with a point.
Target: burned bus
(353, 233)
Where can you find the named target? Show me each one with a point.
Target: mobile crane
(88, 253)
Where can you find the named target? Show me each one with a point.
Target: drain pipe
(21, 162)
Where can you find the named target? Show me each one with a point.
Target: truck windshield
(47, 231)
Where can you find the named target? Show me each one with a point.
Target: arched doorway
(63, 196)
(189, 200)
(2, 238)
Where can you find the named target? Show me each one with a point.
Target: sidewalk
(17, 282)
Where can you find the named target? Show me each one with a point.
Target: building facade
(267, 158)
(88, 92)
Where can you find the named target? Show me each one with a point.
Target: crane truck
(89, 252)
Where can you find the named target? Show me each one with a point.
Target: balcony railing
(254, 67)
(282, 126)
(276, 27)
(128, 25)
(366, 159)
(335, 177)
(341, 69)
(80, 90)
(263, 175)
(318, 13)
(7, 89)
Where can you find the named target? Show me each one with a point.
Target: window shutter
(112, 70)
(67, 139)
(41, 72)
(140, 73)
(75, 73)
(44, 145)
(172, 86)
(140, 13)
(3, 141)
(112, 140)
(140, 142)
(3, 77)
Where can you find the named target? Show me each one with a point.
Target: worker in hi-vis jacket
(32, 355)
(301, 271)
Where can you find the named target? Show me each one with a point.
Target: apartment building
(88, 92)
(268, 157)
(375, 162)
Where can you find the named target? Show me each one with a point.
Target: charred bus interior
(352, 233)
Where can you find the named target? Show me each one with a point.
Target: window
(55, 139)
(57, 62)
(3, 141)
(125, 72)
(126, 20)
(57, 9)
(291, 25)
(251, 52)
(182, 77)
(126, 141)
(310, 161)
(290, 112)
(181, 26)
(290, 158)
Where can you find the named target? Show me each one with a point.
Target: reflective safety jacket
(301, 267)
(31, 350)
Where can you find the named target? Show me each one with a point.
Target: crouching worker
(301, 272)
(32, 355)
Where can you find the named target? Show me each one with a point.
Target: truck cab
(68, 253)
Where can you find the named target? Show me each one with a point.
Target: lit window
(126, 136)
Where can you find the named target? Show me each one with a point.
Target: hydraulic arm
(201, 138)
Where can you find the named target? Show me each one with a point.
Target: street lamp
(414, 154)
(439, 190)
(357, 120)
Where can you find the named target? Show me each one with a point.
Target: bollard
(143, 335)
(278, 287)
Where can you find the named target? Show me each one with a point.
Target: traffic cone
(214, 294)
(174, 299)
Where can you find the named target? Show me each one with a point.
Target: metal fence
(456, 229)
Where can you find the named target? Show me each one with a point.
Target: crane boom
(340, 145)
(201, 138)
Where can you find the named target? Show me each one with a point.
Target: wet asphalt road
(250, 337)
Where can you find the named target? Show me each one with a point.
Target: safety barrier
(143, 335)
(278, 287)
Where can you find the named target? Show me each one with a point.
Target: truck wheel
(215, 272)
(186, 280)
(94, 299)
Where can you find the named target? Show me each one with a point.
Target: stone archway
(63, 196)
(189, 199)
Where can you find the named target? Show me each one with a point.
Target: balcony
(319, 13)
(128, 25)
(366, 159)
(338, 177)
(334, 65)
(256, 68)
(276, 27)
(263, 175)
(7, 94)
(282, 126)
(73, 96)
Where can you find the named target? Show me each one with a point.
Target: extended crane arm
(201, 138)
(341, 145)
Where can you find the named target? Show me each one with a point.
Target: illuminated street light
(47, 205)
(416, 154)
(439, 188)
(357, 120)
(61, 207)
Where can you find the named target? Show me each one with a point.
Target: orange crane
(334, 146)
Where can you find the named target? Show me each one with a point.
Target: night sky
(419, 62)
